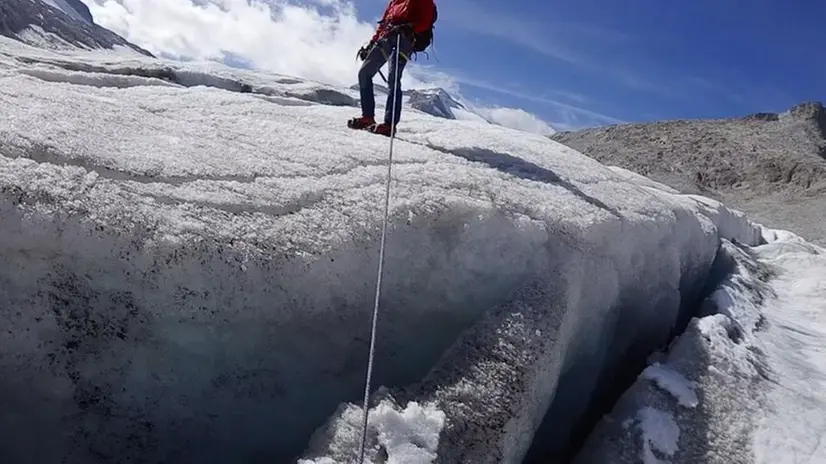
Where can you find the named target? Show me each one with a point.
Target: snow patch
(411, 435)
(673, 382)
(660, 434)
(395, 436)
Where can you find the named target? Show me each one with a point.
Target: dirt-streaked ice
(188, 272)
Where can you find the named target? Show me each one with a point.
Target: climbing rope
(381, 263)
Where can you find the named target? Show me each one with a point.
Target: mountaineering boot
(381, 129)
(364, 122)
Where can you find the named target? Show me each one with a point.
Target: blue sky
(573, 63)
(633, 61)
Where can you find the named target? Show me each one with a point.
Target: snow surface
(792, 428)
(747, 381)
(189, 258)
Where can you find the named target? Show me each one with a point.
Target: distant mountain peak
(435, 101)
(57, 24)
(75, 8)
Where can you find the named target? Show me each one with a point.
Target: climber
(411, 23)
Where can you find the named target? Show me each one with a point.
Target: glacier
(189, 261)
(745, 382)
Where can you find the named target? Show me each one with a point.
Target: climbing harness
(364, 52)
(398, 52)
(380, 270)
(387, 58)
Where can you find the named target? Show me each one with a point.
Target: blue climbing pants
(383, 51)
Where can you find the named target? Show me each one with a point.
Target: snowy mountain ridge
(58, 25)
(440, 103)
(436, 102)
(74, 8)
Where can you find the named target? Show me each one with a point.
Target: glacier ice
(188, 271)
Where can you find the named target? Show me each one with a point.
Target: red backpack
(423, 39)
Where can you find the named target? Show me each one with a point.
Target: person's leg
(375, 59)
(394, 78)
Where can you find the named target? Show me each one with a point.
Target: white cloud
(314, 39)
(515, 118)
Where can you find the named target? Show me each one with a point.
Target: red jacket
(419, 13)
